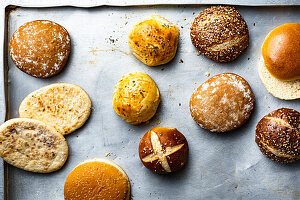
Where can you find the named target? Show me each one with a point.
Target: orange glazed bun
(281, 52)
(97, 179)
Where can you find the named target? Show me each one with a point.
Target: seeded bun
(154, 40)
(281, 52)
(222, 103)
(40, 48)
(136, 98)
(97, 179)
(220, 33)
(278, 135)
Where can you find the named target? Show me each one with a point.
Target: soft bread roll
(220, 33)
(278, 135)
(32, 145)
(287, 90)
(97, 179)
(40, 48)
(64, 106)
(222, 103)
(154, 40)
(281, 52)
(136, 98)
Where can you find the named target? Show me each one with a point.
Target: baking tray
(220, 166)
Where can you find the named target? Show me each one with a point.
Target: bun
(220, 33)
(136, 98)
(97, 179)
(281, 52)
(222, 103)
(287, 90)
(278, 135)
(40, 48)
(163, 150)
(154, 40)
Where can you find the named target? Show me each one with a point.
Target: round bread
(154, 40)
(163, 150)
(64, 106)
(281, 52)
(220, 33)
(287, 90)
(278, 135)
(32, 145)
(97, 179)
(40, 48)
(136, 98)
(222, 103)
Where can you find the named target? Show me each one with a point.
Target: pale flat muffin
(64, 106)
(32, 145)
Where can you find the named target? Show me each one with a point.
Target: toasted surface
(97, 179)
(222, 103)
(64, 106)
(278, 135)
(287, 90)
(220, 33)
(40, 48)
(154, 40)
(281, 52)
(136, 98)
(32, 145)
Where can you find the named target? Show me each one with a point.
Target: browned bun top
(281, 52)
(278, 135)
(40, 48)
(97, 179)
(220, 33)
(222, 103)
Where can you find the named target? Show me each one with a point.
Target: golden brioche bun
(154, 40)
(136, 98)
(97, 179)
(281, 52)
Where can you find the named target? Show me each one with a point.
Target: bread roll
(163, 150)
(281, 52)
(154, 40)
(97, 179)
(220, 33)
(278, 135)
(40, 48)
(136, 98)
(222, 103)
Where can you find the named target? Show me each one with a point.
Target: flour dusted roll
(220, 33)
(278, 135)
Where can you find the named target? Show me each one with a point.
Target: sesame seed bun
(97, 179)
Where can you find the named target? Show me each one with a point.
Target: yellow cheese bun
(154, 40)
(136, 98)
(97, 179)
(281, 52)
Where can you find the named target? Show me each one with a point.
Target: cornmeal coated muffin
(32, 145)
(222, 103)
(40, 48)
(163, 150)
(97, 179)
(136, 98)
(154, 40)
(278, 135)
(64, 106)
(220, 33)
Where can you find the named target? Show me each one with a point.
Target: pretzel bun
(136, 98)
(97, 179)
(163, 150)
(281, 52)
(154, 40)
(278, 135)
(220, 33)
